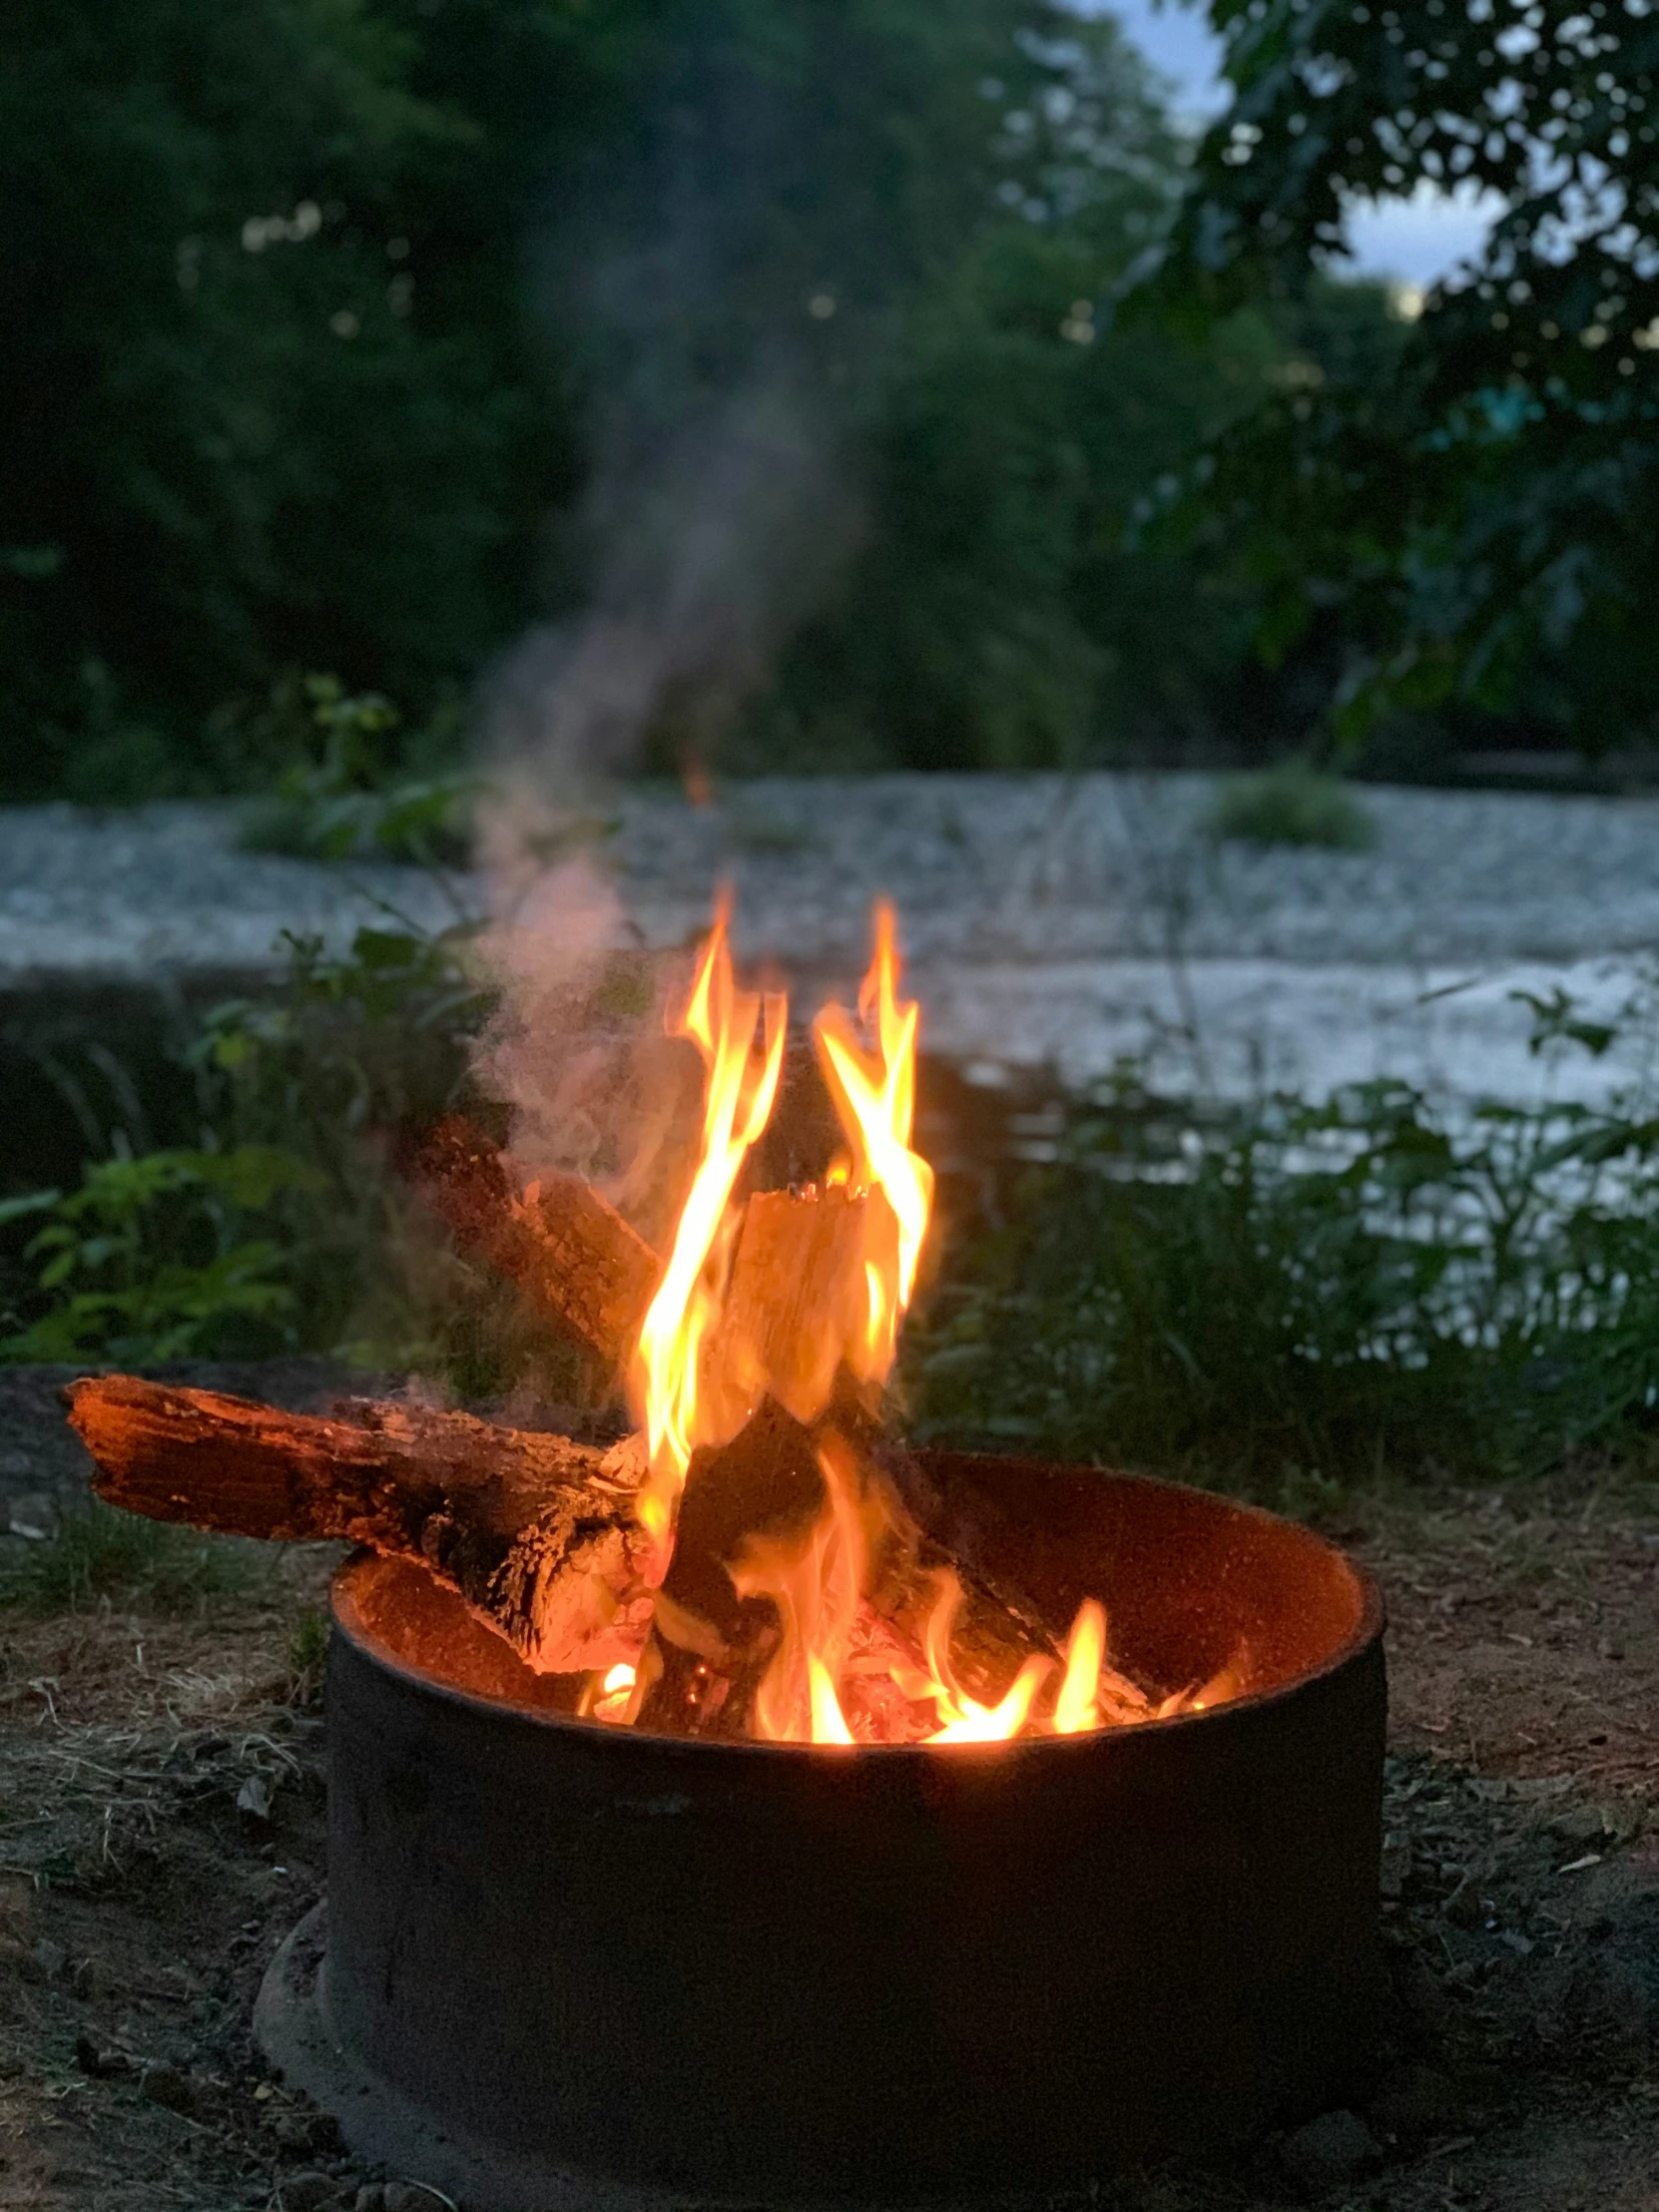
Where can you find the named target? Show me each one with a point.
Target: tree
(1483, 523)
(997, 615)
(270, 394)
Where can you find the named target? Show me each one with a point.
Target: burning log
(797, 1300)
(715, 1637)
(537, 1533)
(570, 1253)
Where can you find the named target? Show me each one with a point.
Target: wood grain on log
(535, 1532)
(797, 1300)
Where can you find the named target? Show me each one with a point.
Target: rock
(1333, 2148)
(33, 1516)
(308, 2192)
(102, 2064)
(170, 2086)
(1414, 2103)
(371, 2197)
(253, 1797)
(1581, 1825)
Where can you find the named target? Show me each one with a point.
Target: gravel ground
(1047, 919)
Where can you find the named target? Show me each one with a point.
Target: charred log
(535, 1532)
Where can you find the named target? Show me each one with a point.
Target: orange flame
(739, 1091)
(1078, 1705)
(816, 1585)
(843, 1673)
(873, 1085)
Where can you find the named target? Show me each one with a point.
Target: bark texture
(535, 1532)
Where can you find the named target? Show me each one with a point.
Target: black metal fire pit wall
(566, 1964)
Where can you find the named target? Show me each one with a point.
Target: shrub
(150, 1258)
(344, 799)
(1293, 803)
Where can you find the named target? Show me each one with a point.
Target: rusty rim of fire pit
(539, 1698)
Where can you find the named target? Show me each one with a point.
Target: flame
(1078, 1705)
(738, 1095)
(963, 1719)
(816, 1584)
(874, 1084)
(843, 1673)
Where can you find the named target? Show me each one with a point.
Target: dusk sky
(1413, 241)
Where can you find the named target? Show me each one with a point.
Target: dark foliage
(1480, 520)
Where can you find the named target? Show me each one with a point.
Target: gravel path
(1046, 918)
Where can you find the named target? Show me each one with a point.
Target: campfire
(759, 1811)
(758, 1560)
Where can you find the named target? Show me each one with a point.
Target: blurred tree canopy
(1480, 523)
(270, 394)
(326, 318)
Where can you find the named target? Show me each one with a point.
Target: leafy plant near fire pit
(1313, 1292)
(154, 1258)
(347, 792)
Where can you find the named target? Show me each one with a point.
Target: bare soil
(162, 1829)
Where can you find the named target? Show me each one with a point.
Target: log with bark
(570, 1253)
(535, 1532)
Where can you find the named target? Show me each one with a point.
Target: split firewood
(570, 1253)
(710, 1647)
(796, 1301)
(535, 1532)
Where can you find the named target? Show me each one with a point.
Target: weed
(307, 1657)
(150, 1258)
(99, 1552)
(1293, 804)
(343, 804)
(1308, 1295)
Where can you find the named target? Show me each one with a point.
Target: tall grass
(98, 1552)
(1299, 1291)
(1293, 804)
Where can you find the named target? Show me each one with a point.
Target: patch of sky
(1415, 241)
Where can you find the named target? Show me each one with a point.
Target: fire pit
(758, 1811)
(570, 1963)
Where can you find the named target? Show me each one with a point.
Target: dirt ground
(162, 1829)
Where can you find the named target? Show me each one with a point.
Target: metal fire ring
(571, 1964)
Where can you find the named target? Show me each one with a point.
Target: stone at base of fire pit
(383, 2128)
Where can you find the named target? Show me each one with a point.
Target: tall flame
(843, 1672)
(873, 1085)
(739, 1089)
